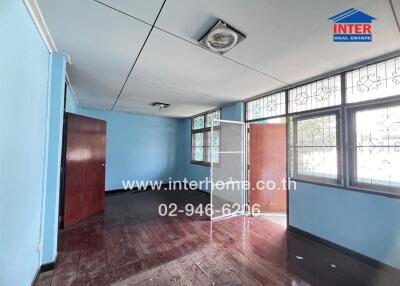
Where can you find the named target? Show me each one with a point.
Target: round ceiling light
(221, 39)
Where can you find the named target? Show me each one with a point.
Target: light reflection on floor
(277, 218)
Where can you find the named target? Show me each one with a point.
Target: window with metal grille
(201, 138)
(374, 81)
(267, 106)
(315, 95)
(374, 151)
(314, 147)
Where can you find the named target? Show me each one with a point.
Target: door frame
(247, 162)
(62, 163)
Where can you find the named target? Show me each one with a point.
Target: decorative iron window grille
(267, 106)
(371, 129)
(375, 147)
(318, 94)
(374, 81)
(314, 148)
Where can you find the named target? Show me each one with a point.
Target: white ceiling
(287, 41)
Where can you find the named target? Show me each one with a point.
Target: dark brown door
(84, 168)
(267, 160)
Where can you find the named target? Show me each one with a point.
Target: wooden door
(84, 168)
(267, 162)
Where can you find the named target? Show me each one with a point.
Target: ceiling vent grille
(221, 38)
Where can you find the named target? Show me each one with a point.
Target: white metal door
(227, 168)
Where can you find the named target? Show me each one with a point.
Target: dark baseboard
(136, 189)
(44, 268)
(368, 260)
(47, 267)
(117, 191)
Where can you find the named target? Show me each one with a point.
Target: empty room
(188, 142)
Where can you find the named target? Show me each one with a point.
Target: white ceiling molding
(40, 24)
(38, 20)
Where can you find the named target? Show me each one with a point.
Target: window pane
(313, 147)
(216, 146)
(198, 153)
(319, 94)
(268, 106)
(216, 138)
(318, 131)
(378, 166)
(374, 81)
(378, 146)
(198, 122)
(212, 115)
(317, 162)
(197, 139)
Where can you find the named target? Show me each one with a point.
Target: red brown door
(267, 160)
(84, 168)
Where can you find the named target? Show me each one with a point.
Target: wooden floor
(130, 244)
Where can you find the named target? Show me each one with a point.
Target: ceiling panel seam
(138, 55)
(181, 38)
(122, 12)
(230, 59)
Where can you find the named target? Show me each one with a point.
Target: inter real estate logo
(352, 25)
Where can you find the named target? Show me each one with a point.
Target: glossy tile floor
(130, 244)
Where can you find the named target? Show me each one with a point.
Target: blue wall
(366, 223)
(54, 143)
(233, 112)
(139, 147)
(23, 125)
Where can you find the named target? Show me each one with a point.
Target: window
(314, 148)
(201, 138)
(375, 147)
(268, 106)
(360, 108)
(374, 81)
(318, 94)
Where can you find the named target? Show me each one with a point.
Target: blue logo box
(352, 37)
